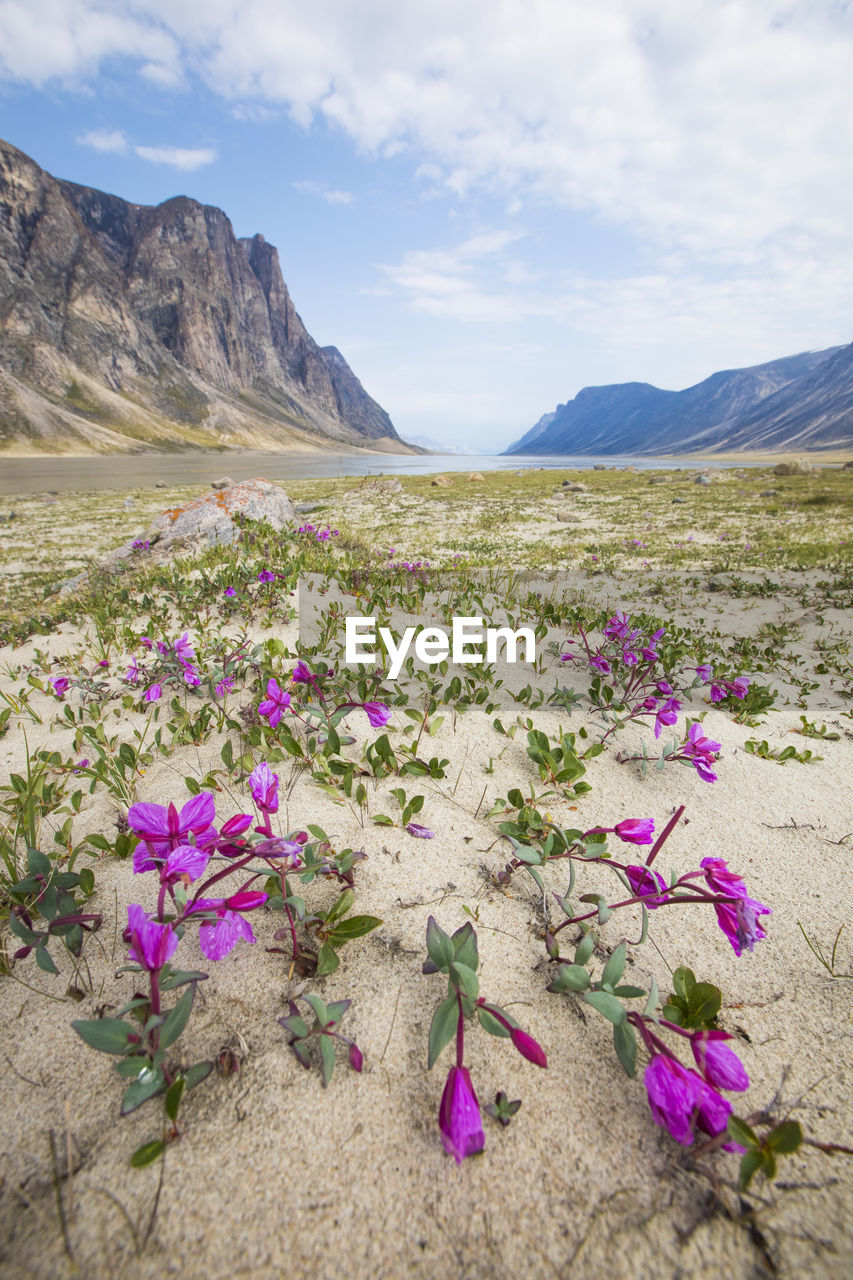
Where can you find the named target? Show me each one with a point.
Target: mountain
(427, 442)
(126, 327)
(803, 401)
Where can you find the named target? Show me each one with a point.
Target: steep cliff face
(126, 326)
(803, 401)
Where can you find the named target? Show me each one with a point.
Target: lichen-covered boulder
(209, 520)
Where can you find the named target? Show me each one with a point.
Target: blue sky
(486, 206)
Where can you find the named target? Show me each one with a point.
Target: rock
(799, 467)
(380, 484)
(476, 476)
(224, 482)
(657, 479)
(848, 466)
(161, 484)
(681, 500)
(304, 508)
(442, 482)
(573, 487)
(599, 466)
(714, 584)
(701, 479)
(127, 504)
(568, 517)
(203, 522)
(769, 493)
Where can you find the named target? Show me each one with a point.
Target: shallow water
(137, 471)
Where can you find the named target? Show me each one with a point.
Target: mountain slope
(127, 326)
(739, 405)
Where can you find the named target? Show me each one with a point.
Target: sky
(485, 205)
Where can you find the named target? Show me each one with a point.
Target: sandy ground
(275, 1175)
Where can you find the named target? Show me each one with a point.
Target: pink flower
(377, 713)
(276, 702)
(739, 919)
(422, 833)
(58, 685)
(719, 1065)
(217, 938)
(154, 693)
(668, 714)
(681, 1101)
(636, 830)
(152, 944)
(263, 784)
(459, 1116)
(163, 829)
(528, 1047)
(648, 883)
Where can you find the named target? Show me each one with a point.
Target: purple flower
(617, 627)
(230, 592)
(739, 686)
(459, 1116)
(702, 751)
(301, 674)
(719, 1065)
(224, 686)
(266, 576)
(673, 1095)
(162, 648)
(645, 881)
(600, 664)
(377, 713)
(274, 704)
(152, 944)
(163, 829)
(133, 672)
(636, 830)
(191, 676)
(154, 693)
(263, 784)
(704, 672)
(237, 825)
(629, 658)
(423, 833)
(217, 938)
(718, 692)
(664, 687)
(712, 1111)
(59, 684)
(186, 860)
(184, 651)
(667, 714)
(739, 919)
(81, 765)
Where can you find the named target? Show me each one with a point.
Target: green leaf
(200, 1071)
(585, 947)
(606, 1004)
(340, 906)
(107, 1034)
(353, 927)
(327, 960)
(296, 1025)
(628, 992)
(465, 946)
(174, 1094)
(570, 977)
(465, 978)
(749, 1166)
(653, 1000)
(87, 881)
(177, 1019)
(625, 1044)
(147, 1153)
(491, 1025)
(785, 1138)
(327, 1058)
(442, 1027)
(141, 1090)
(740, 1132)
(178, 978)
(615, 966)
(684, 981)
(44, 961)
(525, 854)
(336, 1010)
(439, 945)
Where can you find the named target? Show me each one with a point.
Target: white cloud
(104, 140)
(185, 158)
(331, 195)
(713, 127)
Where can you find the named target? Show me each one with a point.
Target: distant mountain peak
(803, 401)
